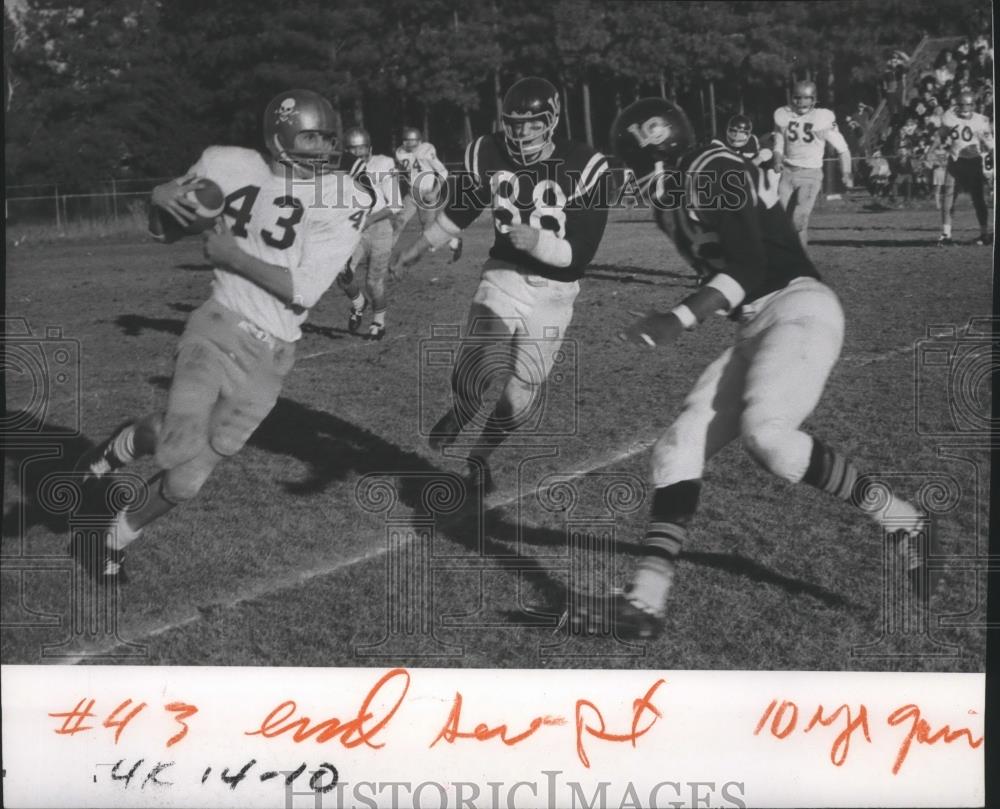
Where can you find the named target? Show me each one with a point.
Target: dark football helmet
(294, 112)
(530, 99)
(803, 96)
(650, 136)
(411, 138)
(738, 131)
(358, 143)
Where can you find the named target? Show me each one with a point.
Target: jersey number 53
(548, 203)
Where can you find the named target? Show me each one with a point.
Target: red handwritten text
(360, 729)
(639, 708)
(785, 719)
(483, 732)
(920, 730)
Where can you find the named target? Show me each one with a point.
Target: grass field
(278, 562)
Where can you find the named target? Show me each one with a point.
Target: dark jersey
(724, 216)
(566, 194)
(749, 150)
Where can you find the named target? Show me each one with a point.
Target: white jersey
(309, 226)
(803, 138)
(966, 137)
(422, 159)
(381, 170)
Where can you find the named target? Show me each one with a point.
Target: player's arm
(331, 239)
(836, 140)
(742, 245)
(169, 202)
(222, 249)
(586, 216)
(169, 199)
(436, 165)
(468, 197)
(779, 141)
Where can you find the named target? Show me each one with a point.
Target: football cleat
(630, 618)
(354, 320)
(376, 331)
(444, 433)
(102, 564)
(101, 460)
(985, 240)
(945, 241)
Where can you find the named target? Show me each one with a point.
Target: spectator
(863, 115)
(902, 174)
(982, 66)
(879, 173)
(944, 67)
(892, 83)
(936, 159)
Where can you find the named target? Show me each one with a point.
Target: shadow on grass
(29, 460)
(748, 568)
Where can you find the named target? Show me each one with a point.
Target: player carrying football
(968, 138)
(549, 206)
(378, 174)
(288, 228)
(801, 132)
(728, 221)
(424, 176)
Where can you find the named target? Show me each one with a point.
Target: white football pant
(761, 389)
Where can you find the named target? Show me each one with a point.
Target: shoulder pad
(782, 116)
(825, 119)
(380, 164)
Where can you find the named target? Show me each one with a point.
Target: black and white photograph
(640, 345)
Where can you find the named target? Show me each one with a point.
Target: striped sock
(123, 447)
(655, 574)
(378, 318)
(829, 471)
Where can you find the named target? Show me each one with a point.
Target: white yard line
(288, 582)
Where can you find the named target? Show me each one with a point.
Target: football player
(740, 137)
(288, 228)
(548, 201)
(425, 178)
(801, 132)
(378, 174)
(723, 214)
(968, 138)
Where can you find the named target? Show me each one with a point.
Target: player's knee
(673, 459)
(181, 438)
(772, 445)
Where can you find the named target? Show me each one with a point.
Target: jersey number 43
(239, 206)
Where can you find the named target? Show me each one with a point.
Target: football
(208, 201)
